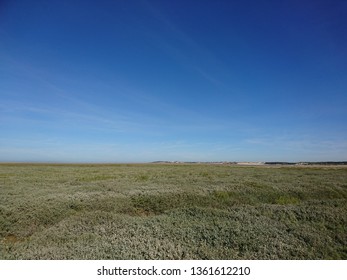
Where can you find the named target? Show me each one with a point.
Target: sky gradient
(139, 81)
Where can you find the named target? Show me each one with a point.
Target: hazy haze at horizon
(138, 81)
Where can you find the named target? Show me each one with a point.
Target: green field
(172, 211)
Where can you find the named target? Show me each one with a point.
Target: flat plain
(172, 211)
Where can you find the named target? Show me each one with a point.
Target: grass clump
(287, 200)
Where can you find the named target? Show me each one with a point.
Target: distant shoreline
(257, 163)
(234, 163)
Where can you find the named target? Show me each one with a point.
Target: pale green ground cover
(160, 211)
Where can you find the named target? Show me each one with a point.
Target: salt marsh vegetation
(172, 211)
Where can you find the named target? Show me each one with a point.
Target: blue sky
(138, 81)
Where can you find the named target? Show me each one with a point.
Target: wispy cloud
(141, 108)
(206, 64)
(301, 148)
